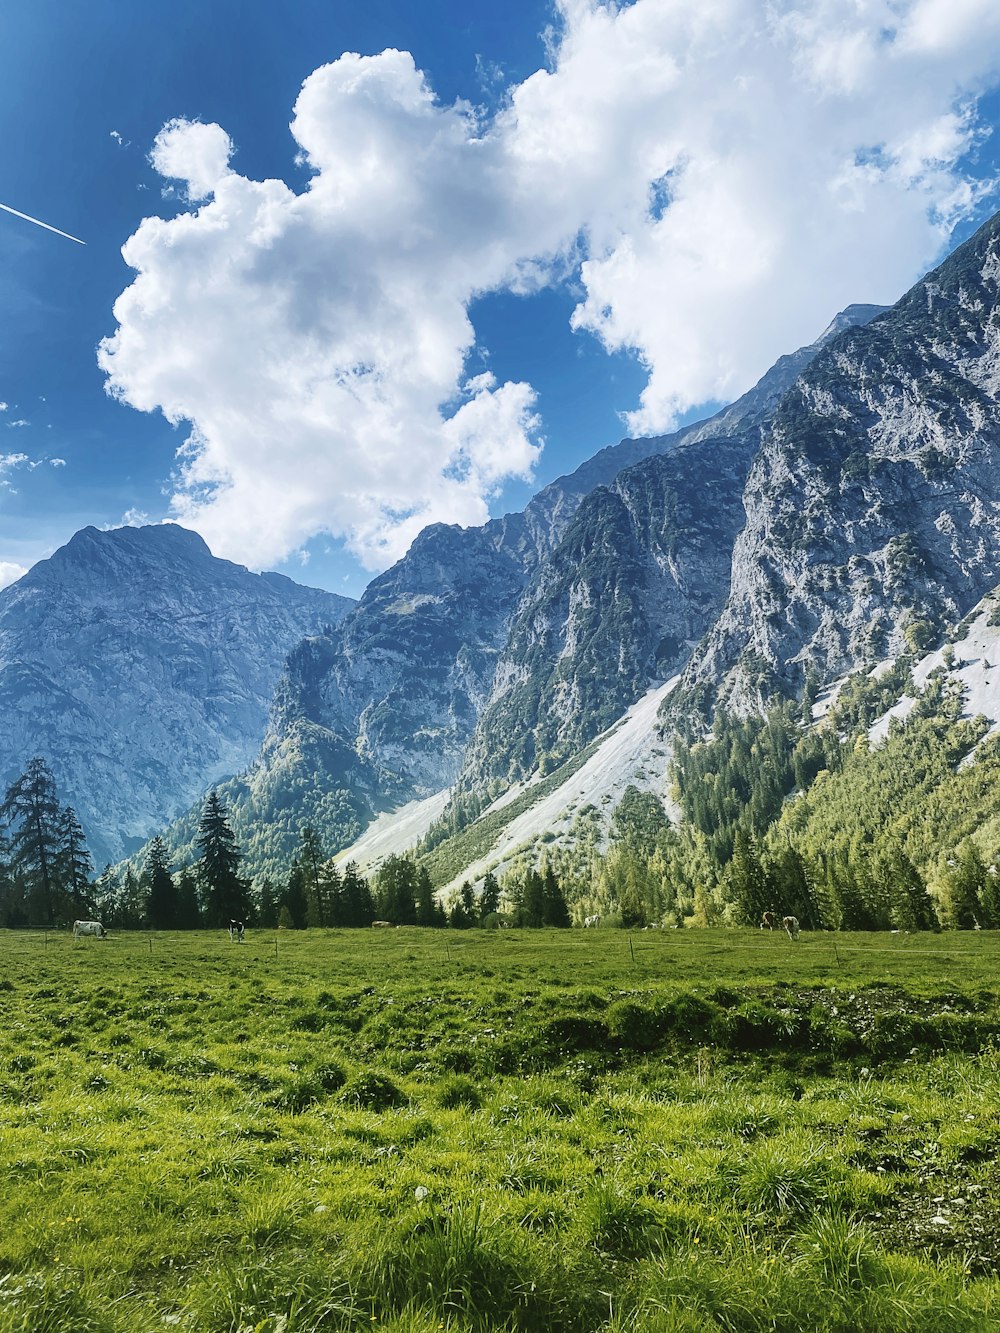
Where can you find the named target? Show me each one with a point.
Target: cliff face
(873, 505)
(141, 668)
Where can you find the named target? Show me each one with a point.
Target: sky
(350, 268)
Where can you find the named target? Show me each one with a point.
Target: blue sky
(524, 233)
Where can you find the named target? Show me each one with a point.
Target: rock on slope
(141, 667)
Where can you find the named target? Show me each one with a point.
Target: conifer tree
(489, 897)
(161, 891)
(533, 900)
(356, 896)
(965, 883)
(31, 809)
(311, 861)
(226, 893)
(396, 887)
(427, 914)
(296, 900)
(188, 906)
(74, 862)
(331, 894)
(554, 910)
(267, 909)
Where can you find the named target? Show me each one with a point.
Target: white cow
(81, 928)
(589, 921)
(791, 924)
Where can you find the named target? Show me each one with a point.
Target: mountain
(141, 668)
(382, 711)
(873, 504)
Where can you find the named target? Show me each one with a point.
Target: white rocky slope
(971, 659)
(629, 752)
(141, 668)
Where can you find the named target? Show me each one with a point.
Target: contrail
(28, 218)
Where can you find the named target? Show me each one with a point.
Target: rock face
(873, 505)
(141, 668)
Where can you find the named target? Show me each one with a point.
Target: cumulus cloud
(718, 177)
(10, 572)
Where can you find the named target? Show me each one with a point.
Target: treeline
(46, 879)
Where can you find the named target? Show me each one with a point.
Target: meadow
(677, 1131)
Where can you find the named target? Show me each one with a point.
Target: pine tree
(554, 910)
(267, 909)
(188, 906)
(356, 895)
(311, 861)
(489, 897)
(533, 900)
(74, 862)
(161, 891)
(396, 889)
(331, 891)
(746, 884)
(964, 886)
(296, 900)
(226, 893)
(31, 808)
(426, 902)
(131, 902)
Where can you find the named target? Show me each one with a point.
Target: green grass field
(419, 1130)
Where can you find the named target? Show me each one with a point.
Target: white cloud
(721, 177)
(14, 425)
(196, 154)
(10, 572)
(4, 406)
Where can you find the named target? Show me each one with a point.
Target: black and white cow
(82, 928)
(236, 931)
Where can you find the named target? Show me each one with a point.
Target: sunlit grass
(517, 1130)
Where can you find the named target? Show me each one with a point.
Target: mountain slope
(141, 667)
(385, 709)
(873, 506)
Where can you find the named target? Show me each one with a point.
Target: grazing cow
(589, 921)
(383, 924)
(768, 921)
(791, 924)
(81, 928)
(236, 931)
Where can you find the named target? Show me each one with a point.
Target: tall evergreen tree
(359, 910)
(161, 891)
(396, 890)
(332, 893)
(267, 908)
(533, 900)
(31, 809)
(296, 899)
(426, 902)
(554, 910)
(75, 864)
(489, 897)
(311, 861)
(227, 896)
(188, 905)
